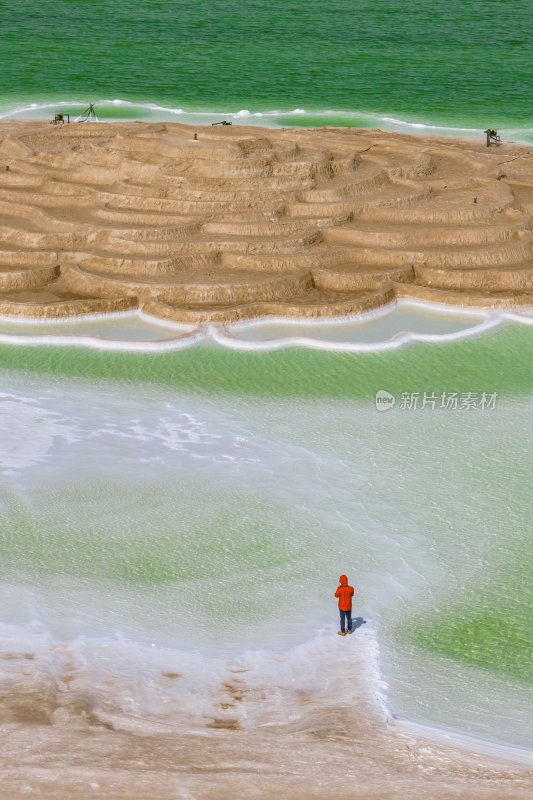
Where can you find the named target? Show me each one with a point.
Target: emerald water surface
(442, 62)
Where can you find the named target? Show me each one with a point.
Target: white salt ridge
(30, 429)
(396, 325)
(138, 686)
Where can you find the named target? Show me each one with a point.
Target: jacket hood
(343, 580)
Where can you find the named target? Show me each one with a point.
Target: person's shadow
(357, 622)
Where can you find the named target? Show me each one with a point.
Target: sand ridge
(243, 222)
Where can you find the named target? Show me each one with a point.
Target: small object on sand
(492, 137)
(195, 137)
(222, 123)
(475, 199)
(59, 119)
(7, 167)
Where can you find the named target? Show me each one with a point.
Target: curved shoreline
(394, 122)
(224, 335)
(253, 705)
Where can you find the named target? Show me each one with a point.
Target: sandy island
(248, 222)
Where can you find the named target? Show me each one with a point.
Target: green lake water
(443, 62)
(211, 483)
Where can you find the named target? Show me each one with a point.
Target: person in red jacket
(345, 594)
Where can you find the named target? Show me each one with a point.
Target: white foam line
(165, 323)
(373, 313)
(426, 126)
(101, 343)
(398, 340)
(133, 315)
(244, 114)
(439, 735)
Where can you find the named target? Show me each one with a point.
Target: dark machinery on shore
(88, 115)
(492, 137)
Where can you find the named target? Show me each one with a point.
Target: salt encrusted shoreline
(263, 726)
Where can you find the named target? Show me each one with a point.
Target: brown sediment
(66, 753)
(247, 222)
(67, 738)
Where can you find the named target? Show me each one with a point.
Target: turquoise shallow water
(442, 62)
(204, 501)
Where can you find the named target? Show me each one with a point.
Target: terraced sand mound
(253, 222)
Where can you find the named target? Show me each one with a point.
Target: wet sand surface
(64, 737)
(244, 223)
(336, 758)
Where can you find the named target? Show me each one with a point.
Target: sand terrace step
(272, 262)
(27, 277)
(194, 287)
(29, 258)
(466, 298)
(50, 305)
(362, 233)
(260, 227)
(515, 277)
(103, 265)
(370, 177)
(391, 195)
(345, 279)
(129, 217)
(137, 244)
(313, 304)
(506, 253)
(29, 198)
(235, 183)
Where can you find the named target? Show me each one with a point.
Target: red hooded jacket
(345, 594)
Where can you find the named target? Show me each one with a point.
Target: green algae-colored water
(499, 361)
(207, 498)
(444, 62)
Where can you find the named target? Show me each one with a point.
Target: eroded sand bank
(244, 223)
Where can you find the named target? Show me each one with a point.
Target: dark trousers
(346, 616)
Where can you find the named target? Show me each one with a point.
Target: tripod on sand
(88, 115)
